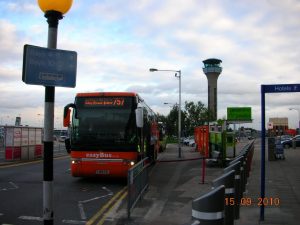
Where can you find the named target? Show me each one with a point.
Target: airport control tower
(212, 70)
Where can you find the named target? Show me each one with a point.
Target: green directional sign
(239, 114)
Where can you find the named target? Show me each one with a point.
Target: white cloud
(9, 40)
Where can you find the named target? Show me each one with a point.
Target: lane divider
(107, 207)
(104, 218)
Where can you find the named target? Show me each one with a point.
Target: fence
(22, 143)
(138, 182)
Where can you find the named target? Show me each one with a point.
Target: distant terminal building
(278, 125)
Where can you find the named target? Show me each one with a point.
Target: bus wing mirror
(67, 118)
(139, 115)
(67, 114)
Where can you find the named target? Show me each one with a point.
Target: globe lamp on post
(54, 11)
(61, 6)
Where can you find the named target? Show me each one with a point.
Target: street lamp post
(54, 11)
(178, 75)
(298, 110)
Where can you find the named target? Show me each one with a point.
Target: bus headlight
(129, 162)
(75, 161)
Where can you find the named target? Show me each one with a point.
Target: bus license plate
(102, 172)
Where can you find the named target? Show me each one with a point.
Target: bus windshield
(104, 123)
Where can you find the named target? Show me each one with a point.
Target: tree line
(192, 115)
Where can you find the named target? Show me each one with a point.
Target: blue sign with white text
(49, 67)
(278, 88)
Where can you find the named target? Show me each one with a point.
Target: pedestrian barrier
(209, 208)
(138, 182)
(227, 180)
(237, 186)
(242, 159)
(249, 159)
(247, 152)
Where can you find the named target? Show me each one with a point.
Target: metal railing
(138, 182)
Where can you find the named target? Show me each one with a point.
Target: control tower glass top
(212, 65)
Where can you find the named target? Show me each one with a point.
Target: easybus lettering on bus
(99, 155)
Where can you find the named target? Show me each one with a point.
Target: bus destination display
(107, 102)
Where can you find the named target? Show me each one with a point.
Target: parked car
(285, 137)
(289, 143)
(192, 143)
(189, 141)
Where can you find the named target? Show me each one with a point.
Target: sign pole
(262, 157)
(48, 214)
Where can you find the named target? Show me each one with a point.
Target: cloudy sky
(118, 41)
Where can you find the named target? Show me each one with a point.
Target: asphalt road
(76, 200)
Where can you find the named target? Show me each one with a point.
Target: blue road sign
(49, 67)
(280, 88)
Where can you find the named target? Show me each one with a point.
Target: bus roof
(109, 94)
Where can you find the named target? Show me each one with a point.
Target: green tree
(196, 114)
(171, 123)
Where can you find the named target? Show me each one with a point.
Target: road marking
(14, 186)
(74, 221)
(81, 211)
(109, 191)
(34, 218)
(106, 206)
(96, 198)
(80, 203)
(118, 202)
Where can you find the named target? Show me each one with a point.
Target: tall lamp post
(54, 11)
(298, 110)
(178, 75)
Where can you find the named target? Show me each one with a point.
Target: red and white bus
(109, 132)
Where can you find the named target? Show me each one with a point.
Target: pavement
(175, 183)
(282, 182)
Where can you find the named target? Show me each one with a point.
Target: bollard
(227, 180)
(209, 208)
(242, 159)
(237, 186)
